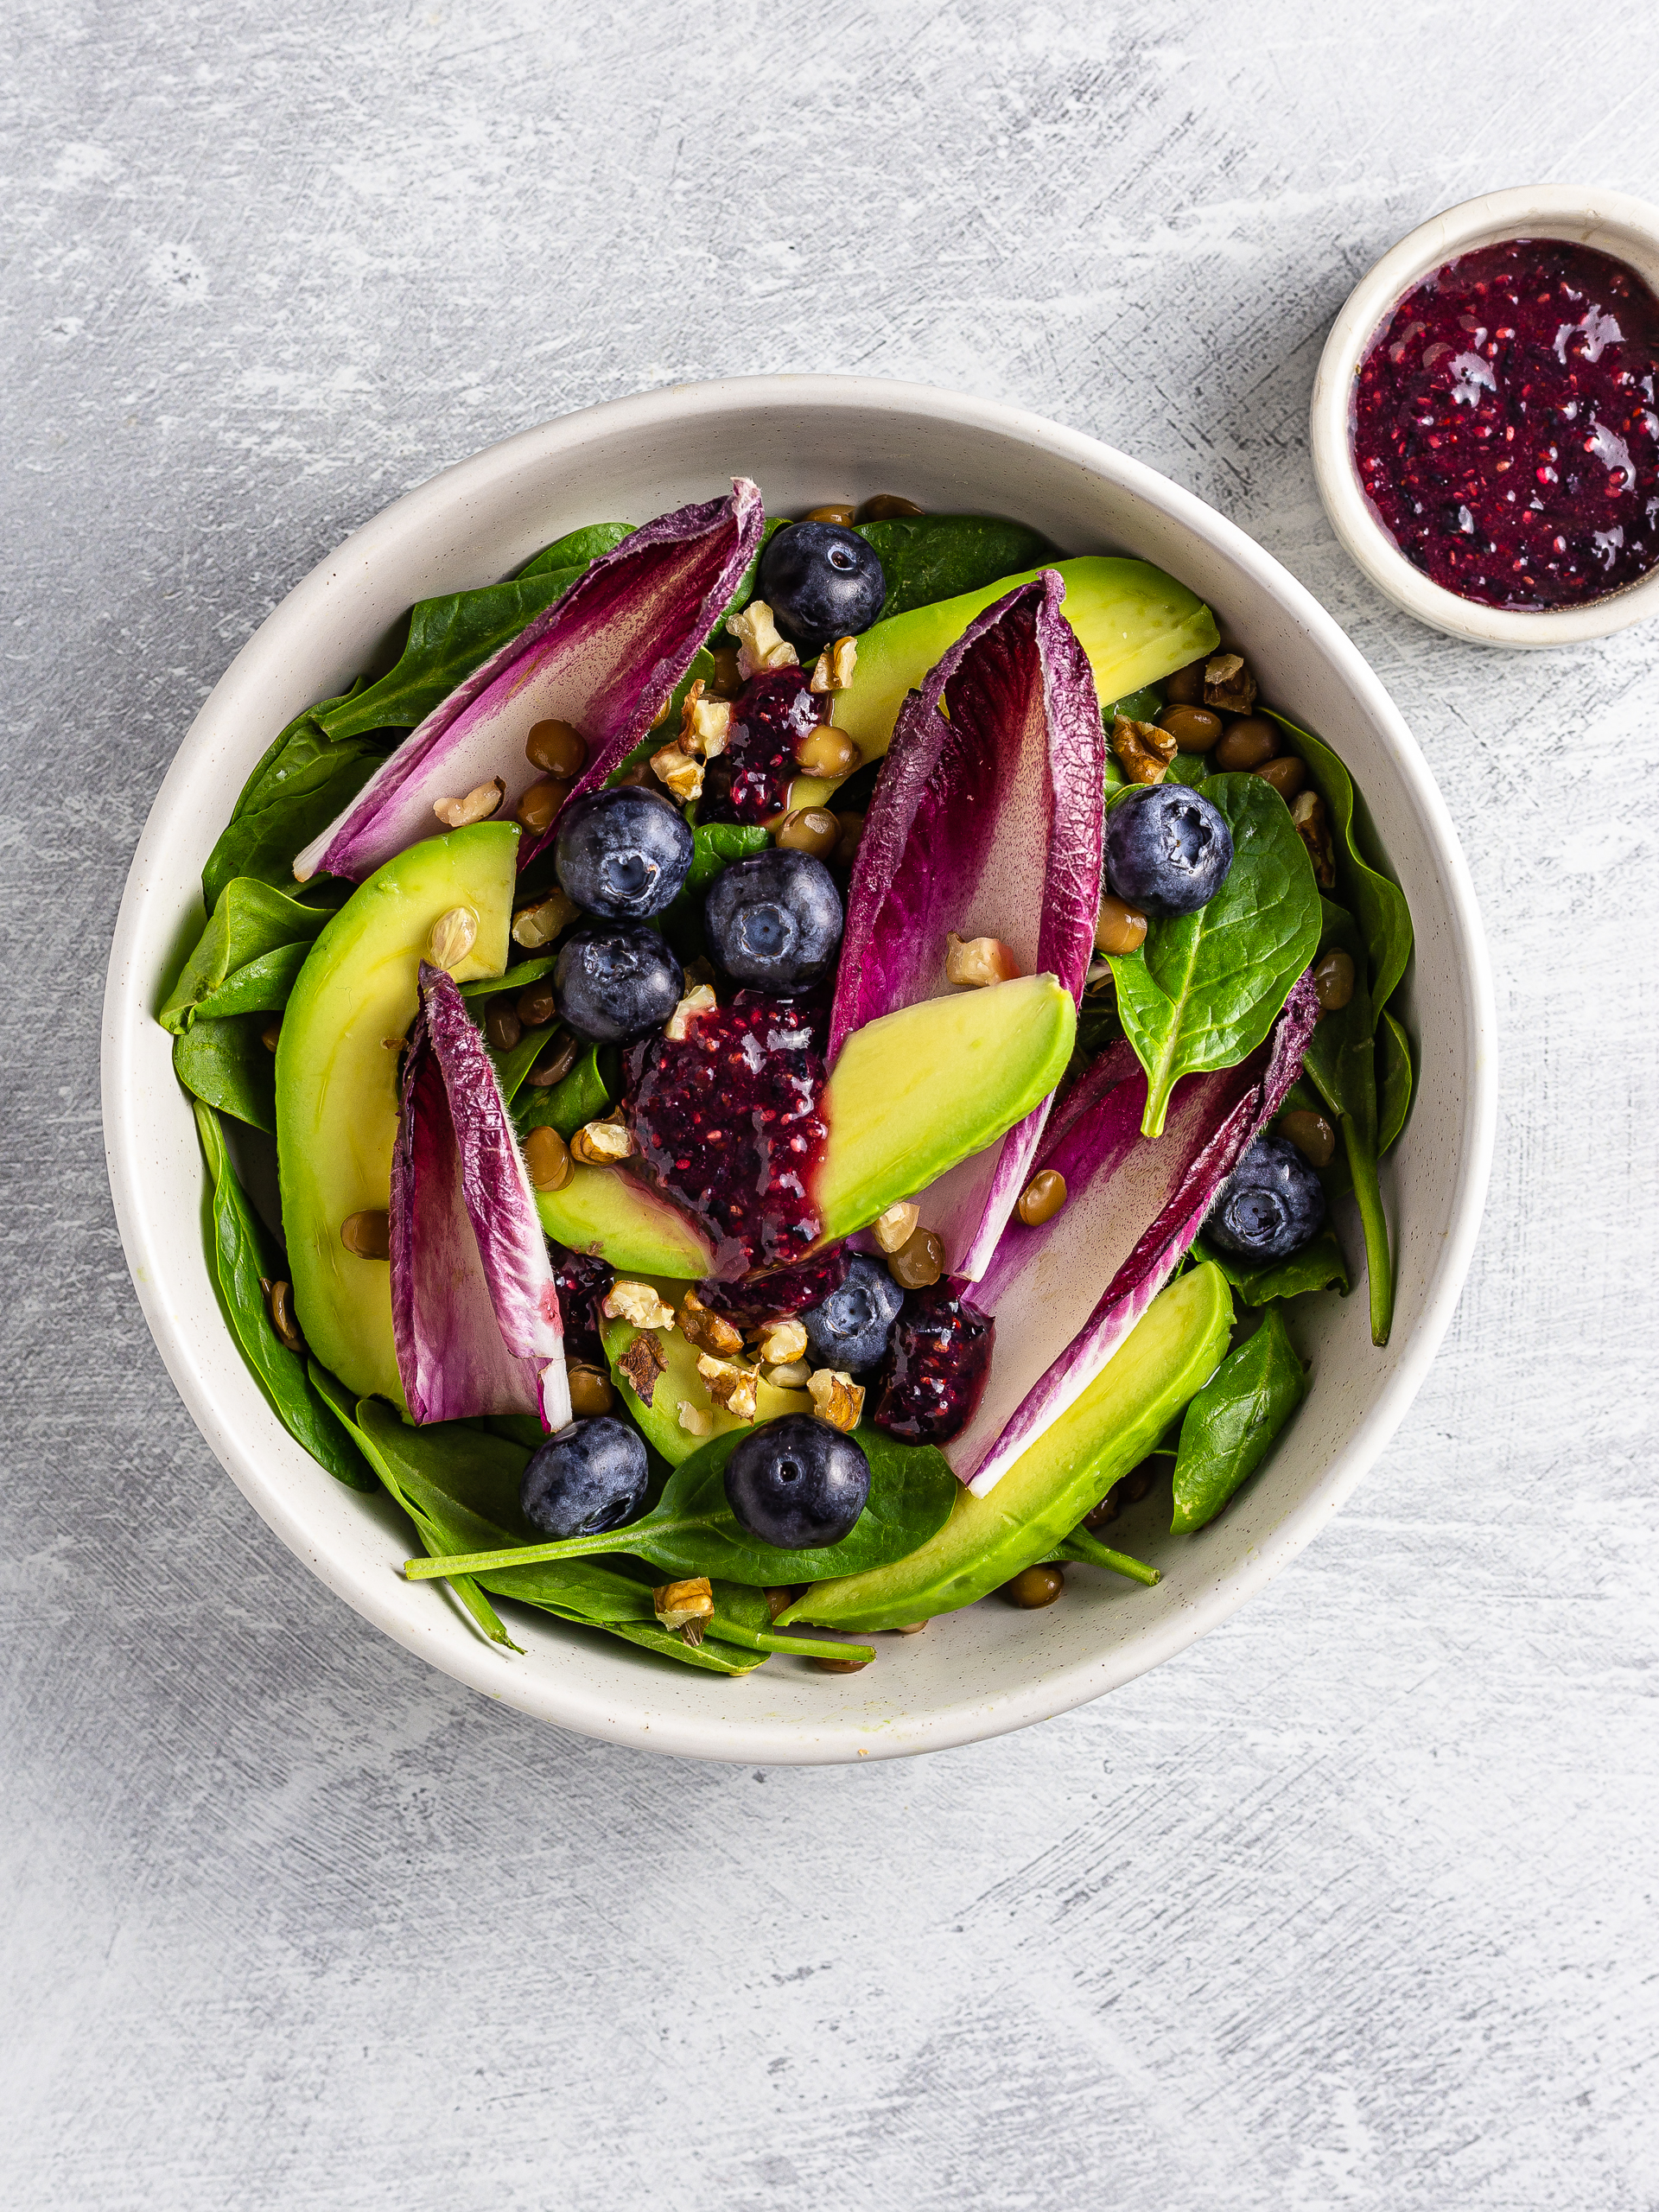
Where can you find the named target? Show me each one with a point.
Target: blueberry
(1167, 850)
(821, 582)
(623, 853)
(1269, 1205)
(850, 1330)
(590, 1476)
(616, 980)
(798, 1483)
(774, 918)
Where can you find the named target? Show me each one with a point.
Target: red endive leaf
(474, 1310)
(605, 657)
(1133, 1206)
(990, 824)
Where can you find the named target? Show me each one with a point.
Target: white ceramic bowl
(1613, 223)
(808, 438)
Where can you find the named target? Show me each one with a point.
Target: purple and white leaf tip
(1133, 1206)
(986, 824)
(475, 1309)
(605, 657)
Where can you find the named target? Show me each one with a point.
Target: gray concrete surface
(1352, 1905)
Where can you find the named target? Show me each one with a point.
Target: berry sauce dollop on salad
(1506, 425)
(695, 1201)
(730, 1122)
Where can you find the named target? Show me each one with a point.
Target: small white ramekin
(1613, 223)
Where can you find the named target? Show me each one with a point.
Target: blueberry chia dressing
(730, 1125)
(934, 1373)
(750, 781)
(582, 1279)
(1506, 428)
(781, 1290)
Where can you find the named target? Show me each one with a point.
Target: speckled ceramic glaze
(807, 439)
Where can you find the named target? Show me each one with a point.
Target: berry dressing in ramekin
(1505, 425)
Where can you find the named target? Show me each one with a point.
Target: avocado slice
(1166, 1357)
(680, 1383)
(616, 1215)
(1135, 624)
(337, 1079)
(916, 1091)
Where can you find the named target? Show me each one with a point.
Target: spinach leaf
(511, 1067)
(926, 559)
(460, 1486)
(1395, 1081)
(1137, 706)
(242, 1259)
(1319, 1266)
(714, 844)
(577, 549)
(1189, 768)
(1373, 897)
(1233, 1419)
(299, 787)
(250, 919)
(449, 638)
(584, 1096)
(1205, 988)
(225, 1063)
(692, 1530)
(1341, 1063)
(262, 986)
(527, 972)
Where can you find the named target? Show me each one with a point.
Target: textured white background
(1354, 1904)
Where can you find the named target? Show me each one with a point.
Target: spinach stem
(1379, 1261)
(427, 1570)
(1097, 1554)
(809, 1647)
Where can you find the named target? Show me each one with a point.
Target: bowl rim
(1614, 223)
(757, 1740)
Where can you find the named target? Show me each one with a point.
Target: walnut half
(708, 1331)
(639, 1303)
(1312, 827)
(733, 1389)
(1144, 751)
(683, 1604)
(1228, 684)
(759, 645)
(642, 1363)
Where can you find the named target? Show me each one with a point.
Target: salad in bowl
(776, 1069)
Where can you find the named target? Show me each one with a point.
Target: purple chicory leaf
(474, 1308)
(988, 825)
(1133, 1206)
(604, 658)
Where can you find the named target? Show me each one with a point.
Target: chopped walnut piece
(705, 723)
(708, 1331)
(637, 1302)
(479, 804)
(835, 1397)
(1144, 751)
(759, 645)
(678, 772)
(535, 926)
(782, 1341)
(602, 1144)
(792, 1376)
(835, 664)
(696, 1420)
(978, 961)
(642, 1363)
(1228, 684)
(1307, 812)
(732, 1388)
(894, 1229)
(680, 1603)
(699, 999)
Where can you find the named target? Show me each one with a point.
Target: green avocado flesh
(679, 1384)
(337, 1079)
(612, 1214)
(917, 1091)
(1169, 1355)
(1136, 625)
